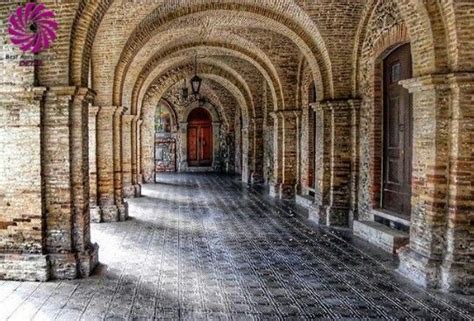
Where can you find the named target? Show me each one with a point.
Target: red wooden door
(199, 138)
(398, 131)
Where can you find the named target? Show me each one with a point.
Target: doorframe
(216, 126)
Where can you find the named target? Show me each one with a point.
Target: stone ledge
(380, 235)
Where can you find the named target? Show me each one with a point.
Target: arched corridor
(308, 132)
(205, 246)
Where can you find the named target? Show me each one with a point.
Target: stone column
(93, 186)
(258, 150)
(22, 244)
(105, 164)
(286, 144)
(183, 148)
(65, 166)
(245, 143)
(135, 133)
(216, 130)
(118, 175)
(440, 249)
(128, 188)
(336, 157)
(139, 157)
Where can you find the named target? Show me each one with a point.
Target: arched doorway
(200, 144)
(165, 140)
(397, 132)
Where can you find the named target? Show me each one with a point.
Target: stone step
(304, 200)
(380, 235)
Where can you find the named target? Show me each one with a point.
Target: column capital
(285, 113)
(107, 110)
(340, 104)
(82, 93)
(93, 110)
(129, 118)
(36, 92)
(439, 82)
(119, 111)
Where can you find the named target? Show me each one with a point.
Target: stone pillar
(93, 186)
(286, 145)
(216, 131)
(105, 164)
(135, 133)
(128, 188)
(258, 151)
(245, 143)
(336, 157)
(44, 187)
(183, 147)
(139, 157)
(22, 247)
(118, 175)
(440, 249)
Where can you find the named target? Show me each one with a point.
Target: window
(162, 120)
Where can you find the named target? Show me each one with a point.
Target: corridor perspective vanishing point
(236, 159)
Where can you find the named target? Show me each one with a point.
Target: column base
(24, 267)
(138, 190)
(43, 267)
(420, 269)
(95, 213)
(256, 178)
(457, 277)
(123, 211)
(109, 213)
(74, 265)
(283, 191)
(329, 215)
(129, 191)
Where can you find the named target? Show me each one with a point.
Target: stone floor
(206, 247)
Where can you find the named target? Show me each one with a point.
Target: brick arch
(85, 26)
(208, 67)
(415, 22)
(281, 17)
(161, 84)
(235, 46)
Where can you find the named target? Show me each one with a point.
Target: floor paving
(207, 247)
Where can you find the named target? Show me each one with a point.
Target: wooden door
(200, 143)
(398, 131)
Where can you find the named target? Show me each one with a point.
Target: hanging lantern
(196, 81)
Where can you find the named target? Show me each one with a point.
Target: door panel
(193, 144)
(200, 145)
(206, 144)
(396, 194)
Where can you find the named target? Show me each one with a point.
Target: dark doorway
(397, 127)
(199, 138)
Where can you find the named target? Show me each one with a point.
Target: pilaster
(105, 164)
(442, 204)
(256, 176)
(337, 123)
(127, 152)
(286, 147)
(93, 183)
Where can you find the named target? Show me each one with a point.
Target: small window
(395, 75)
(162, 120)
